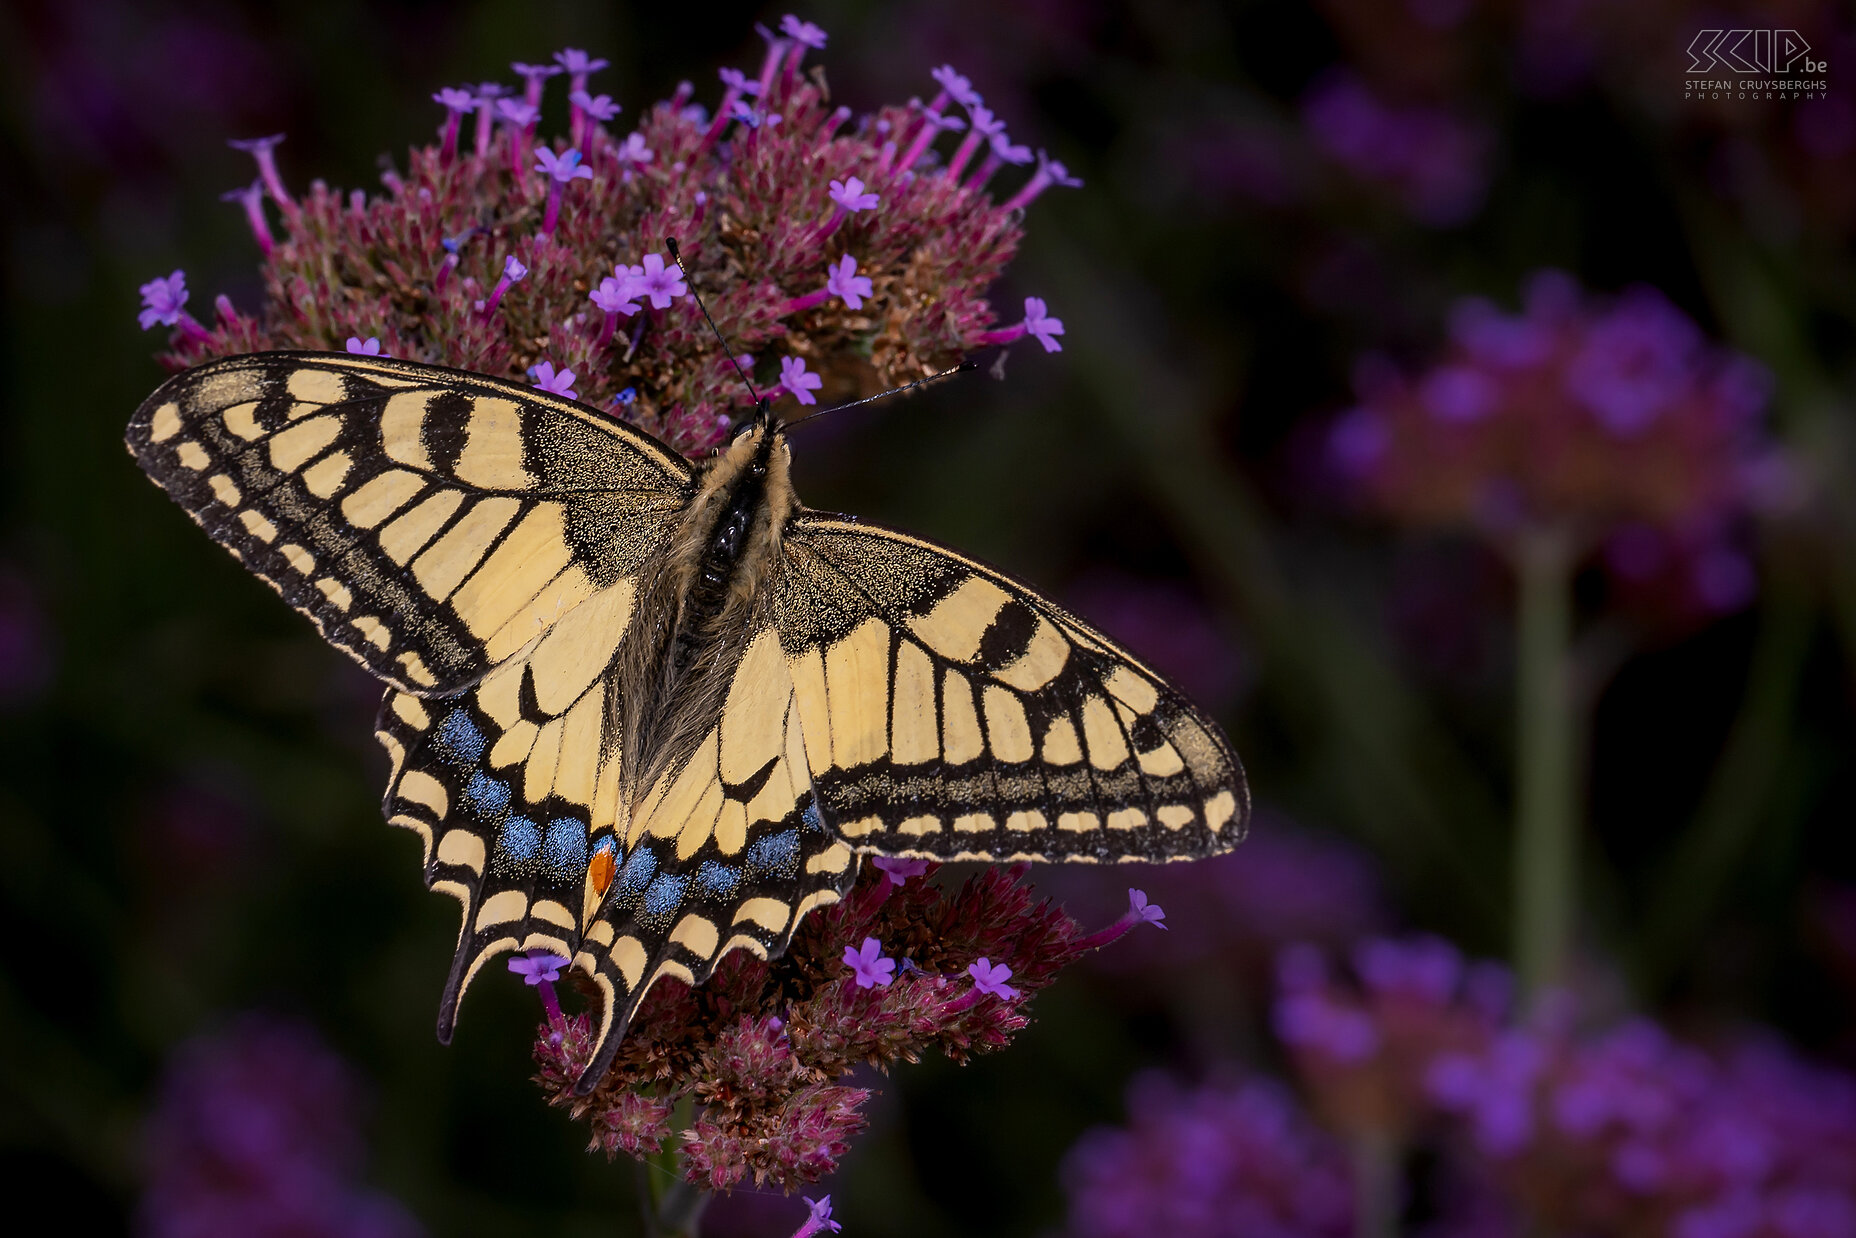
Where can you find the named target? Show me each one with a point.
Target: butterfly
(643, 712)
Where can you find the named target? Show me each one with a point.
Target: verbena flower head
(765, 217)
(256, 1129)
(1435, 162)
(1613, 419)
(164, 300)
(1233, 1156)
(762, 1048)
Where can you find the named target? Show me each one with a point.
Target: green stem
(1375, 1185)
(1545, 898)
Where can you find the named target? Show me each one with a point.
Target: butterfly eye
(741, 428)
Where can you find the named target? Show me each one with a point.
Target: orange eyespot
(600, 871)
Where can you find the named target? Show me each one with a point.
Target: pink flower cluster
(842, 252)
(903, 966)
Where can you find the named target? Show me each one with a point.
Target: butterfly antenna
(670, 243)
(962, 368)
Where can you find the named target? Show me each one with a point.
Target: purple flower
(819, 1220)
(1005, 151)
(615, 296)
(738, 81)
(1143, 911)
(576, 62)
(513, 271)
(458, 100)
(658, 282)
(252, 199)
(850, 195)
(1049, 173)
(370, 347)
(1428, 968)
(868, 964)
(1038, 322)
(164, 301)
(988, 978)
(536, 76)
(599, 107)
(1457, 393)
(802, 32)
(957, 86)
(1637, 361)
(843, 281)
(514, 112)
(744, 113)
(1313, 1020)
(264, 150)
(898, 871)
(561, 384)
(563, 168)
(540, 966)
(633, 150)
(795, 379)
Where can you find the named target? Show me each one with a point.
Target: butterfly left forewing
(950, 712)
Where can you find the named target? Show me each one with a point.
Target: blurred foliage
(188, 821)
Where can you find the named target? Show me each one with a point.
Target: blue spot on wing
(632, 879)
(487, 797)
(810, 819)
(715, 880)
(662, 898)
(566, 848)
(518, 841)
(775, 855)
(458, 740)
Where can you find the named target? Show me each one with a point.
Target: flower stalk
(1545, 850)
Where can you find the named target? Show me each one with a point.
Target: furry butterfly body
(643, 712)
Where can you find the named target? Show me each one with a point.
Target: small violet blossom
(956, 87)
(658, 282)
(738, 81)
(370, 347)
(1140, 911)
(264, 150)
(561, 170)
(796, 380)
(456, 103)
(252, 199)
(1049, 173)
(850, 195)
(991, 978)
(844, 282)
(1037, 322)
(868, 964)
(535, 76)
(164, 301)
(802, 32)
(561, 384)
(513, 271)
(898, 871)
(819, 1220)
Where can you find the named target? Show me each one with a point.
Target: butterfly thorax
(707, 594)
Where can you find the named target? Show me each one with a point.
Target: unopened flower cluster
(840, 254)
(1615, 421)
(744, 1075)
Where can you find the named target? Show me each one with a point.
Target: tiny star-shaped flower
(842, 280)
(564, 167)
(370, 347)
(820, 1219)
(868, 964)
(984, 122)
(1038, 322)
(599, 107)
(163, 300)
(516, 112)
(633, 150)
(1003, 147)
(735, 79)
(489, 92)
(457, 100)
(794, 378)
(255, 146)
(957, 86)
(541, 966)
(658, 282)
(547, 380)
(513, 270)
(743, 113)
(627, 396)
(535, 70)
(1143, 911)
(850, 195)
(574, 60)
(991, 978)
(802, 31)
(1059, 175)
(615, 296)
(897, 871)
(942, 120)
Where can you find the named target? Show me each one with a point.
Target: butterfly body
(643, 712)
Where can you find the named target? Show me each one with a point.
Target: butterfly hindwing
(950, 712)
(432, 522)
(725, 852)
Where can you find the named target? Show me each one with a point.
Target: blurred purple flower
(818, 1220)
(264, 150)
(545, 378)
(899, 871)
(1434, 161)
(850, 195)
(802, 32)
(563, 167)
(164, 301)
(370, 347)
(1039, 323)
(599, 107)
(255, 1131)
(958, 88)
(1226, 1158)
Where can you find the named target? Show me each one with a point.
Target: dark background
(188, 787)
